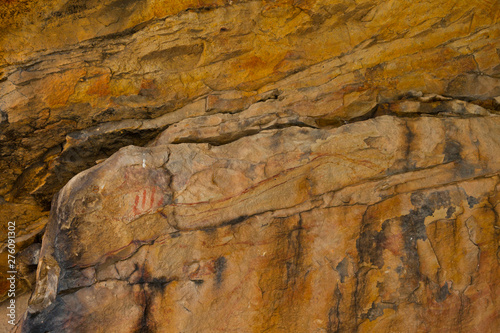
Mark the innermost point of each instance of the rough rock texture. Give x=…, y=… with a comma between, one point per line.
x=297, y=166
x=389, y=224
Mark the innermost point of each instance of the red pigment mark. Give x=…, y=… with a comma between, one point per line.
x=152, y=198
x=206, y=268
x=144, y=193
x=144, y=204
x=136, y=212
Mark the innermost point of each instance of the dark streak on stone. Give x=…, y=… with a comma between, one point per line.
x=52, y=319
x=450, y=211
x=370, y=244
x=452, y=150
x=377, y=310
x=465, y=169
x=219, y=266
x=209, y=230
x=342, y=269
x=143, y=325
x=155, y=285
x=334, y=313
x=237, y=220
x=159, y=284
x=472, y=201
x=295, y=254
x=409, y=140
x=4, y=117
x=413, y=229
x=442, y=293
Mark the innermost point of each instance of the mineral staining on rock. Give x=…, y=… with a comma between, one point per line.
x=88, y=95
x=285, y=166
x=296, y=230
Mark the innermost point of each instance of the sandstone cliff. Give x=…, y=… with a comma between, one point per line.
x=252, y=166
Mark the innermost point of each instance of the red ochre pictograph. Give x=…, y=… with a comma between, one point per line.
x=143, y=191
x=146, y=200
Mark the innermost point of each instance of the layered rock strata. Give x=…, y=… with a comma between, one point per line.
x=389, y=224
x=295, y=166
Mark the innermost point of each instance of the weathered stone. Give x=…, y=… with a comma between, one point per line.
x=330, y=61
x=293, y=166
x=294, y=229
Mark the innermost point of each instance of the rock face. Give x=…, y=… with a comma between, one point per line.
x=388, y=224
x=262, y=166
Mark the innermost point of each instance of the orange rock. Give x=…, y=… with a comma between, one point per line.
x=306, y=165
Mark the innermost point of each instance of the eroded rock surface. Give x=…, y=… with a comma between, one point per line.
x=80, y=80
x=294, y=166
x=389, y=224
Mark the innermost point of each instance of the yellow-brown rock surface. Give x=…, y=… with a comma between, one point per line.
x=373, y=226
x=297, y=166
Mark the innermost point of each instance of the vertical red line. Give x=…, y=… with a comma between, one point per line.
x=135, y=205
x=151, y=203
x=144, y=198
